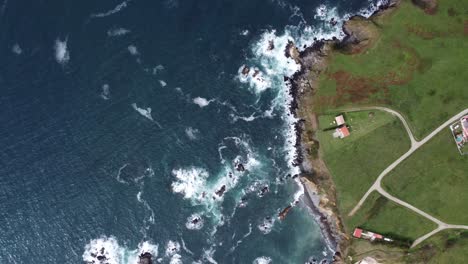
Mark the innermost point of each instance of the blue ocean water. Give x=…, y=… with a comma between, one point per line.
x=122, y=125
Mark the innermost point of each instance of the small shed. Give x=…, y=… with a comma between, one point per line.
x=339, y=120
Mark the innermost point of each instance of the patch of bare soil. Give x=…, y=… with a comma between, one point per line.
x=429, y=6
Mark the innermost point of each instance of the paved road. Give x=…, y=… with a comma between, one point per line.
x=414, y=146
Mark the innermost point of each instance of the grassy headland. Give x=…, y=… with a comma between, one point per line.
x=416, y=66
x=411, y=60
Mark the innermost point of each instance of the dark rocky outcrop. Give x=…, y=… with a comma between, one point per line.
x=221, y=191
x=145, y=258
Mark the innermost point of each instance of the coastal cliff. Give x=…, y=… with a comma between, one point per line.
x=360, y=34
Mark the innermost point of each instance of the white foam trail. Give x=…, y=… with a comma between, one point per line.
x=245, y=32
x=250, y=118
x=16, y=49
x=192, y=133
x=117, y=32
x=185, y=247
x=133, y=50
x=202, y=102
x=144, y=112
x=242, y=239
x=112, y=11
x=262, y=260
x=208, y=255
x=105, y=94
x=62, y=55
x=120, y=171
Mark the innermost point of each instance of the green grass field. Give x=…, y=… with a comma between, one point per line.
x=383, y=216
x=445, y=247
x=417, y=66
x=355, y=162
x=434, y=179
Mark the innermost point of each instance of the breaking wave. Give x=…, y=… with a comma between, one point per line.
x=269, y=63
x=262, y=260
x=108, y=250
x=62, y=55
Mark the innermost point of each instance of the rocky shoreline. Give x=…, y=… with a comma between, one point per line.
x=319, y=188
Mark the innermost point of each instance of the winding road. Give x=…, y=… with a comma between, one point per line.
x=414, y=146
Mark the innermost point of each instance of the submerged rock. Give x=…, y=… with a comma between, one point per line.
x=240, y=167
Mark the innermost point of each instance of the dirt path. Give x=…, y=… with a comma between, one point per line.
x=414, y=146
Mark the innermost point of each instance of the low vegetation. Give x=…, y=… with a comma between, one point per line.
x=385, y=217
x=446, y=247
x=376, y=140
x=416, y=66
x=434, y=179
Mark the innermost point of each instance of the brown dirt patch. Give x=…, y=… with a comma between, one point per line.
x=465, y=29
x=428, y=34
x=361, y=89
x=429, y=6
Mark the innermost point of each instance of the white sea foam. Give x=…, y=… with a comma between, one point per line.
x=250, y=118
x=262, y=260
x=176, y=259
x=266, y=225
x=192, y=133
x=105, y=94
x=107, y=250
x=162, y=83
x=133, y=50
x=245, y=32
x=112, y=11
x=172, y=248
x=254, y=77
x=194, y=222
x=62, y=55
x=190, y=182
x=17, y=49
x=202, y=102
x=117, y=32
x=144, y=112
